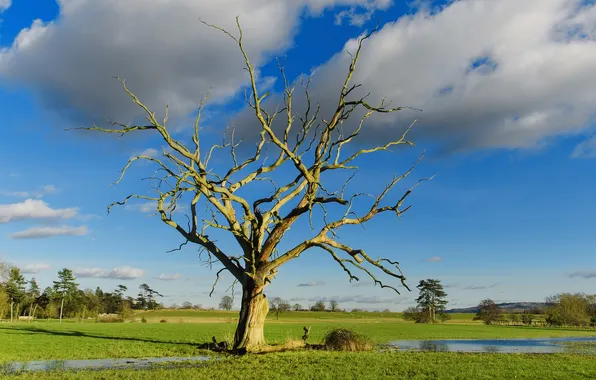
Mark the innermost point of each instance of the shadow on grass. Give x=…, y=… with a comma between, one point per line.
x=38, y=330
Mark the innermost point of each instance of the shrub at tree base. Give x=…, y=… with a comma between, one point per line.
x=346, y=340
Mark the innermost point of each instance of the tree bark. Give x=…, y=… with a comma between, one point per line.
x=61, y=308
x=11, y=311
x=255, y=306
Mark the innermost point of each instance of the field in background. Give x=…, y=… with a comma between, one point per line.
x=71, y=340
x=211, y=316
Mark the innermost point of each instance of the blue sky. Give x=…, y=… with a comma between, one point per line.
x=508, y=104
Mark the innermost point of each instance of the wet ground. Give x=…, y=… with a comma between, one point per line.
x=530, y=346
x=49, y=365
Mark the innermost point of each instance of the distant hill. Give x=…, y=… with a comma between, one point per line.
x=510, y=307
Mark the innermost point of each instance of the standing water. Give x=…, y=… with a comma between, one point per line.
x=529, y=346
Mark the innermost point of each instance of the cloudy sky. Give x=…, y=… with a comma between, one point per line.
x=508, y=98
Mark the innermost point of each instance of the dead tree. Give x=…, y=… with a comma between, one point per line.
x=309, y=145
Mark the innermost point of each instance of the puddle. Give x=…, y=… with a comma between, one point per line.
x=529, y=346
x=100, y=364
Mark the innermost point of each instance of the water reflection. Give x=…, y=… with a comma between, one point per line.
x=429, y=345
x=546, y=345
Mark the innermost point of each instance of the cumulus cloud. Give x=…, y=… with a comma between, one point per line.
x=46, y=232
x=33, y=268
x=4, y=5
x=33, y=209
x=434, y=259
x=585, y=149
x=164, y=52
x=168, y=277
x=312, y=283
x=583, y=274
x=121, y=273
x=487, y=74
x=358, y=16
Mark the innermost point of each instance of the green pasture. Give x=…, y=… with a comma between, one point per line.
x=183, y=331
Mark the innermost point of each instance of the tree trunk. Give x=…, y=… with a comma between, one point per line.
x=11, y=311
x=250, y=331
x=61, y=308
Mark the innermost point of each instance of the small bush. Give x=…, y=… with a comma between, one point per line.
x=163, y=321
x=143, y=320
x=346, y=340
x=126, y=312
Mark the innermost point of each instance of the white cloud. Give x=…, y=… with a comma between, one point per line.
x=47, y=189
x=312, y=283
x=150, y=207
x=121, y=273
x=164, y=52
x=168, y=277
x=46, y=232
x=149, y=152
x=4, y=5
x=33, y=209
x=359, y=15
x=494, y=74
x=434, y=259
x=33, y=268
x=585, y=149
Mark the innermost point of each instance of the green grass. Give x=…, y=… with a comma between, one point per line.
x=49, y=340
x=22, y=341
x=332, y=365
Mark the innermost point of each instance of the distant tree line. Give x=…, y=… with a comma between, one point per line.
x=564, y=309
x=279, y=305
x=23, y=298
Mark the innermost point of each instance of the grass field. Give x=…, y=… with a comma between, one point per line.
x=50, y=340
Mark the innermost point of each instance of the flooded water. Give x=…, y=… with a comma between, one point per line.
x=50, y=365
x=529, y=346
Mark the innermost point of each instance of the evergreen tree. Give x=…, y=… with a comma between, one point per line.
x=15, y=289
x=431, y=300
x=65, y=288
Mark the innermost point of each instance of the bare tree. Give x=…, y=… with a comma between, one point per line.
x=333, y=305
x=312, y=146
x=279, y=305
x=226, y=303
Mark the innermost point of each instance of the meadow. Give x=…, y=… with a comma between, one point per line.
x=183, y=331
